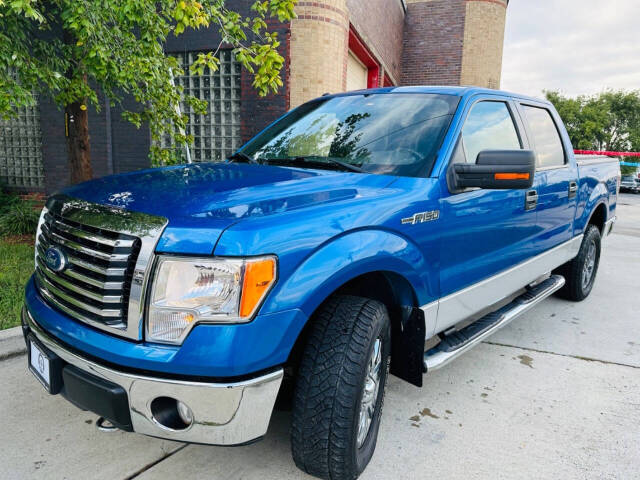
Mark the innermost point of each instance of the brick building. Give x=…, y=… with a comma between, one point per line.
x=332, y=46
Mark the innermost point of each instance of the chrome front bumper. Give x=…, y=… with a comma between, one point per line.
x=224, y=413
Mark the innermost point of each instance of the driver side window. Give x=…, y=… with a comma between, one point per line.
x=489, y=126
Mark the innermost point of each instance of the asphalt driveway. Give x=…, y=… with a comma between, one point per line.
x=556, y=394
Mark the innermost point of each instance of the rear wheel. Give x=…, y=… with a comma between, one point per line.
x=340, y=388
x=580, y=273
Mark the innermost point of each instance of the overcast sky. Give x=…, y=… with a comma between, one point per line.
x=575, y=46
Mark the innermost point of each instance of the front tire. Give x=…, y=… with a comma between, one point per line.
x=580, y=273
x=340, y=388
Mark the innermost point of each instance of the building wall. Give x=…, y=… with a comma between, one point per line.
x=453, y=42
x=129, y=146
x=433, y=42
x=319, y=41
x=54, y=145
x=257, y=112
x=483, y=42
x=380, y=24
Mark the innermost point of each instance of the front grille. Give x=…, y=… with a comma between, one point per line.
x=95, y=285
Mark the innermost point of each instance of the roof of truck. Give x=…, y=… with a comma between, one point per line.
x=464, y=91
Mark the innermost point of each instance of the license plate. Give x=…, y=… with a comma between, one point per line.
x=39, y=364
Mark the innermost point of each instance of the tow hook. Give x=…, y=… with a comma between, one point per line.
x=105, y=425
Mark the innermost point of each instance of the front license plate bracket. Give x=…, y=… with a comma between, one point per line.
x=46, y=362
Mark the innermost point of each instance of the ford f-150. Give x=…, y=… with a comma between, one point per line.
x=364, y=233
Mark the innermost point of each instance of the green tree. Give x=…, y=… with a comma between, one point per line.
x=607, y=121
x=73, y=49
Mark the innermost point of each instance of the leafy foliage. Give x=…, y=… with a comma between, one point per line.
x=606, y=121
x=7, y=201
x=17, y=217
x=73, y=48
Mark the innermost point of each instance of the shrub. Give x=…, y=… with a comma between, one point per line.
x=17, y=217
x=7, y=201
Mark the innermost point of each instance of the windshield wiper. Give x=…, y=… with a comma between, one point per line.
x=318, y=161
x=346, y=165
x=240, y=157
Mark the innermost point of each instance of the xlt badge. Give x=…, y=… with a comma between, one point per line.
x=422, y=217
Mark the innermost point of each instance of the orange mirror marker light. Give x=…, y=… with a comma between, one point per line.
x=511, y=176
x=259, y=275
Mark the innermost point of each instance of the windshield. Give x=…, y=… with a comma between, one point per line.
x=394, y=134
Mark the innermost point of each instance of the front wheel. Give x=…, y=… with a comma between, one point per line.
x=340, y=388
x=580, y=273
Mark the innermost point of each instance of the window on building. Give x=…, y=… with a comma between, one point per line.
x=549, y=151
x=21, y=150
x=488, y=126
x=216, y=135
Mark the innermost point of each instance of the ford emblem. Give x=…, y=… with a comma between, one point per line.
x=55, y=259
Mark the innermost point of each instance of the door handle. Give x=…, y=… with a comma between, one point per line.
x=530, y=200
x=573, y=189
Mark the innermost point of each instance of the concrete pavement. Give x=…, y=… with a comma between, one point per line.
x=11, y=343
x=556, y=394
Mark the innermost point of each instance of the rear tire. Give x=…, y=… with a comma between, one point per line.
x=336, y=391
x=580, y=273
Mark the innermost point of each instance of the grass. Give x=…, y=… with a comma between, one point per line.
x=16, y=266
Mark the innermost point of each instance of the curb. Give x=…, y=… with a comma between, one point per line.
x=11, y=343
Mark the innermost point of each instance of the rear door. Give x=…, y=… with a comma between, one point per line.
x=557, y=178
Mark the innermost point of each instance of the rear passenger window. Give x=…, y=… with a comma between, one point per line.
x=488, y=126
x=549, y=151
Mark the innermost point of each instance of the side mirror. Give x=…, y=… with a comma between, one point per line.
x=497, y=169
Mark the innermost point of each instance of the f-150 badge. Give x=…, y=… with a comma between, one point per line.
x=422, y=217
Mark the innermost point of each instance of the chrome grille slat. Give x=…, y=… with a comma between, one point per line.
x=110, y=285
x=60, y=280
x=70, y=311
x=115, y=272
x=109, y=272
x=108, y=242
x=108, y=257
x=52, y=289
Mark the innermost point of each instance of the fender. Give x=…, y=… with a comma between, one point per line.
x=346, y=257
x=599, y=195
x=327, y=268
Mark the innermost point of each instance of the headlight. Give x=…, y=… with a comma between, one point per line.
x=187, y=291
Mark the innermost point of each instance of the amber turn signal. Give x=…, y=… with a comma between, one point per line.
x=259, y=275
x=511, y=176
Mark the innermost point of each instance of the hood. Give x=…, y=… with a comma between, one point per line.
x=202, y=200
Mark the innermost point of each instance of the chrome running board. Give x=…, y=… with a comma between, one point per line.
x=458, y=342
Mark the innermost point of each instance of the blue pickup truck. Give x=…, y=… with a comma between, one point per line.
x=361, y=234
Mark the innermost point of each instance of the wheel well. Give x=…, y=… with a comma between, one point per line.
x=598, y=217
x=407, y=323
x=387, y=287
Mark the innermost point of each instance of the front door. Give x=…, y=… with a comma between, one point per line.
x=484, y=232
